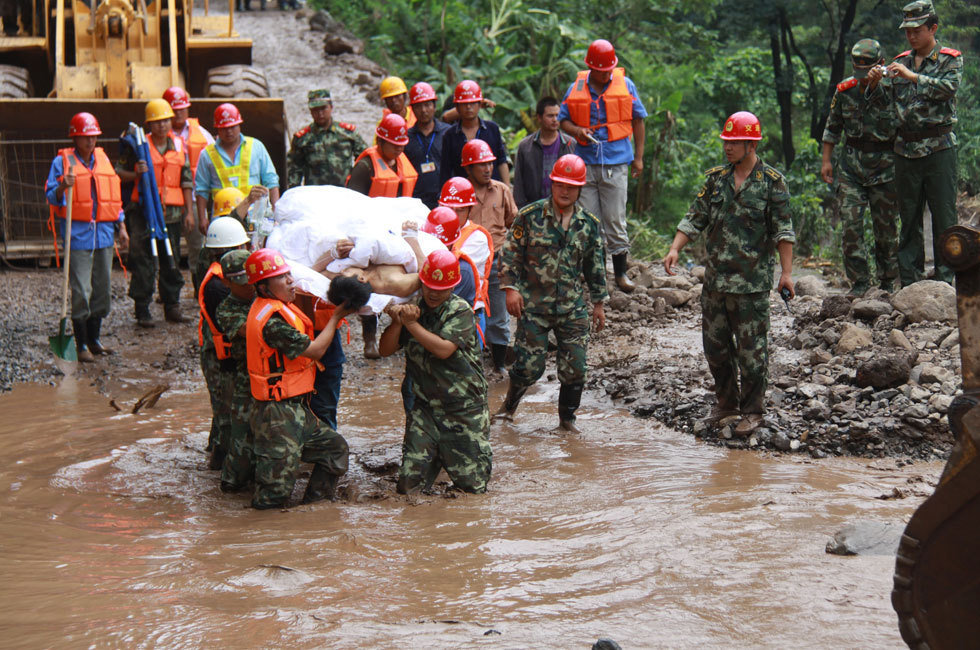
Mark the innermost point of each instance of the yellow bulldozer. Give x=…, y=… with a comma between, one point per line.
x=109, y=57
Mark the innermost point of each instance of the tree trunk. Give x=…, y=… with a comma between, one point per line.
x=837, y=64
x=784, y=90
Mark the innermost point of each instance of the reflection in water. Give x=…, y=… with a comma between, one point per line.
x=114, y=532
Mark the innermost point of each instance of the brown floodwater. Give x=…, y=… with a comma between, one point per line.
x=114, y=533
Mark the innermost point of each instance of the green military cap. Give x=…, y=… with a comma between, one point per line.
x=865, y=54
x=318, y=98
x=917, y=13
x=233, y=266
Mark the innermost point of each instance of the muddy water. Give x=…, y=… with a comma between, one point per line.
x=114, y=533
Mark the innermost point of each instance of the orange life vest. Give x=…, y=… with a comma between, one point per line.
x=400, y=182
x=196, y=142
x=483, y=284
x=222, y=346
x=107, y=189
x=166, y=168
x=272, y=376
x=619, y=105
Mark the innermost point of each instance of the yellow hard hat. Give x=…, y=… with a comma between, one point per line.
x=391, y=86
x=226, y=200
x=158, y=109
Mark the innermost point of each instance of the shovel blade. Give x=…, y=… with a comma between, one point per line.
x=63, y=345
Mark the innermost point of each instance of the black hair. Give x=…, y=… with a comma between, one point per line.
x=545, y=102
x=932, y=20
x=345, y=289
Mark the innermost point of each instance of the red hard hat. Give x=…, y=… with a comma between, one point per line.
x=444, y=224
x=440, y=271
x=83, y=124
x=457, y=192
x=421, y=92
x=226, y=115
x=601, y=56
x=177, y=97
x=742, y=125
x=476, y=151
x=467, y=91
x=569, y=169
x=393, y=129
x=265, y=263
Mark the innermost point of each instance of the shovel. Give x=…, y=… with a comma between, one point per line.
x=63, y=345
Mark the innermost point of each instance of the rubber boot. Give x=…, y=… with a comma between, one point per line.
x=322, y=485
x=619, y=270
x=173, y=315
x=569, y=398
x=94, y=330
x=498, y=352
x=514, y=395
x=143, y=318
x=81, y=341
x=369, y=330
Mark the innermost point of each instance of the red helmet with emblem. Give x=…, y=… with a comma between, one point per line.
x=742, y=125
x=421, y=92
x=476, y=151
x=467, y=91
x=440, y=271
x=457, y=192
x=601, y=56
x=177, y=97
x=83, y=124
x=569, y=169
x=444, y=224
x=265, y=263
x=393, y=129
x=226, y=115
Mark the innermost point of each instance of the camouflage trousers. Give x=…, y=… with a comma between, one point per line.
x=143, y=266
x=285, y=433
x=458, y=441
x=735, y=329
x=881, y=201
x=219, y=390
x=239, y=461
x=531, y=347
x=930, y=179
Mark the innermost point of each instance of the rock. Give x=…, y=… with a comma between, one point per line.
x=696, y=292
x=940, y=403
x=818, y=356
x=606, y=644
x=698, y=273
x=885, y=371
x=619, y=301
x=834, y=307
x=933, y=374
x=811, y=285
x=928, y=300
x=645, y=279
x=918, y=411
x=870, y=309
x=852, y=338
x=342, y=44
x=897, y=339
x=659, y=306
x=816, y=410
x=780, y=441
x=811, y=390
x=321, y=21
x=671, y=282
x=950, y=341
x=866, y=538
x=673, y=297
x=918, y=394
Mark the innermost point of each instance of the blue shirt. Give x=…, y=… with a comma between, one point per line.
x=422, y=149
x=452, y=149
x=619, y=152
x=85, y=235
x=261, y=171
x=466, y=289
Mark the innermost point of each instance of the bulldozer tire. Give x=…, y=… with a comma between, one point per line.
x=236, y=81
x=15, y=82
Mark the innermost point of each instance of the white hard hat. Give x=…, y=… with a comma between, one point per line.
x=225, y=232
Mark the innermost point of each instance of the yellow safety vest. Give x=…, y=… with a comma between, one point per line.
x=234, y=176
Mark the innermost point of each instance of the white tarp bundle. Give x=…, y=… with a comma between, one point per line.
x=311, y=219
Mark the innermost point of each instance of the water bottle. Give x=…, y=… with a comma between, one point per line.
x=266, y=220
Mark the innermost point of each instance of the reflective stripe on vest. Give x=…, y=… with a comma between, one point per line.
x=107, y=189
x=236, y=175
x=483, y=290
x=166, y=168
x=196, y=142
x=272, y=376
x=618, y=101
x=222, y=346
x=386, y=182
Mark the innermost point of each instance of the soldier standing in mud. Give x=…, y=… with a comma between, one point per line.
x=551, y=247
x=743, y=209
x=862, y=111
x=322, y=152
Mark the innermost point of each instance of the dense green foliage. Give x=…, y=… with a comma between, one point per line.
x=694, y=62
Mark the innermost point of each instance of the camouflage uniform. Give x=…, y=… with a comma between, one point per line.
x=553, y=268
x=925, y=170
x=322, y=156
x=866, y=177
x=449, y=422
x=286, y=431
x=219, y=384
x=237, y=468
x=741, y=230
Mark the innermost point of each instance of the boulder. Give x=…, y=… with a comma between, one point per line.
x=674, y=282
x=897, y=339
x=342, y=44
x=853, y=337
x=698, y=273
x=673, y=297
x=933, y=374
x=645, y=279
x=834, y=307
x=810, y=285
x=885, y=371
x=870, y=309
x=619, y=301
x=866, y=538
x=950, y=341
x=928, y=300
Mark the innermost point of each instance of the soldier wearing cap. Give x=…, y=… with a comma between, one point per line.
x=862, y=112
x=926, y=79
x=322, y=152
